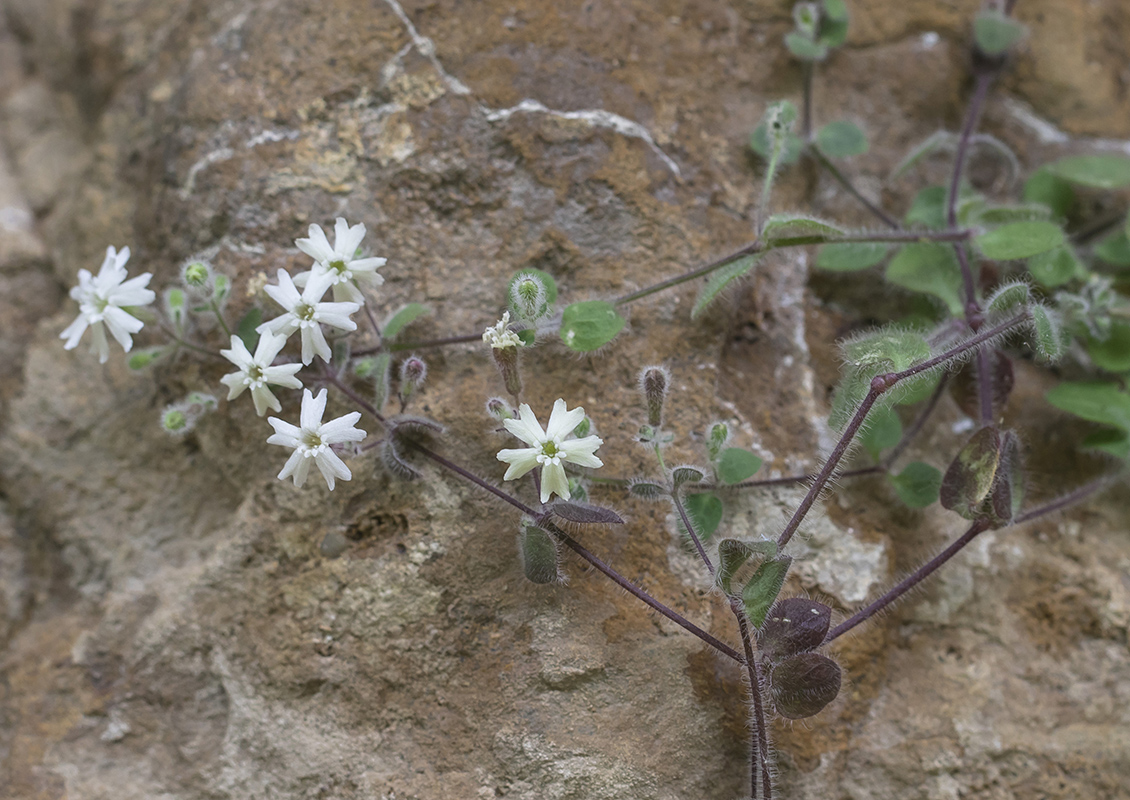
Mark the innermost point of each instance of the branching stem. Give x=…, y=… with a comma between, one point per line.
x=691, y=532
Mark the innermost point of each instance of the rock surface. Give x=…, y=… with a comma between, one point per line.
x=175, y=623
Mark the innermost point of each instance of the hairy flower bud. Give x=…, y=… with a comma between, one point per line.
x=506, y=358
x=413, y=371
x=528, y=297
x=196, y=274
x=499, y=408
x=175, y=421
x=653, y=383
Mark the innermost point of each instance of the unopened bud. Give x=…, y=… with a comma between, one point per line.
x=499, y=408
x=653, y=383
x=196, y=274
x=717, y=437
x=413, y=370
x=528, y=297
x=806, y=16
x=200, y=403
x=507, y=360
x=175, y=421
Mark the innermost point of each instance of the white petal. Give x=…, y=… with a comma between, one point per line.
x=580, y=451
x=121, y=325
x=73, y=332
x=332, y=467
x=99, y=345
x=521, y=461
x=316, y=286
x=235, y=383
x=562, y=422
x=238, y=354
x=554, y=481
x=317, y=246
x=283, y=375
x=342, y=430
x=313, y=407
x=347, y=239
x=268, y=347
x=285, y=434
x=264, y=399
x=526, y=427
x=318, y=343
x=346, y=292
x=284, y=294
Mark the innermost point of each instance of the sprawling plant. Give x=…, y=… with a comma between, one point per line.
x=1052, y=292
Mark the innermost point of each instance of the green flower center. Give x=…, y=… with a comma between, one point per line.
x=549, y=449
x=311, y=440
x=338, y=266
x=304, y=311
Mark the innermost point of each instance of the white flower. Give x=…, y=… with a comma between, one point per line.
x=549, y=448
x=306, y=312
x=312, y=440
x=103, y=299
x=256, y=372
x=499, y=336
x=340, y=261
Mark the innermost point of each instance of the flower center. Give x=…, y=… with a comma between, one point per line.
x=305, y=312
x=311, y=440
x=254, y=374
x=549, y=448
x=338, y=266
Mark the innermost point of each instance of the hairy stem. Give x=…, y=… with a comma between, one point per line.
x=760, y=778
x=972, y=116
x=842, y=179
x=422, y=344
x=220, y=317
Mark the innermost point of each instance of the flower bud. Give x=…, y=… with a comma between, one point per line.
x=506, y=358
x=653, y=383
x=717, y=437
x=499, y=408
x=528, y=297
x=176, y=421
x=413, y=371
x=196, y=274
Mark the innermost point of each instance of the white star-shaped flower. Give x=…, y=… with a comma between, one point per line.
x=256, y=372
x=549, y=448
x=340, y=261
x=306, y=312
x=312, y=441
x=500, y=336
x=102, y=301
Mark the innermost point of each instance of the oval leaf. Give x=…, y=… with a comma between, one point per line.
x=995, y=33
x=1106, y=171
x=590, y=325
x=883, y=431
x=718, y=282
x=681, y=475
x=538, y=551
x=796, y=229
x=794, y=625
x=1053, y=191
x=1097, y=402
x=1055, y=267
x=648, y=490
x=705, y=512
x=761, y=590
x=402, y=318
x=733, y=553
x=1113, y=352
x=851, y=256
x=736, y=464
x=930, y=268
x=1019, y=240
x=1115, y=250
x=841, y=140
x=917, y=485
x=804, y=684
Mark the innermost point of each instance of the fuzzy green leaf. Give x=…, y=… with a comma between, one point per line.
x=402, y=318
x=1113, y=352
x=146, y=356
x=736, y=465
x=761, y=142
x=1001, y=215
x=841, y=139
x=1115, y=249
x=805, y=48
x=718, y=282
x=883, y=430
x=917, y=485
x=930, y=268
x=733, y=553
x=245, y=330
x=539, y=555
x=705, y=512
x=1019, y=240
x=648, y=490
x=1008, y=298
x=1055, y=267
x=681, y=475
x=781, y=229
x=1105, y=171
x=762, y=589
x=996, y=33
x=851, y=256
x=833, y=23
x=590, y=325
x=1105, y=403
x=1043, y=186
x=1047, y=339
x=1109, y=441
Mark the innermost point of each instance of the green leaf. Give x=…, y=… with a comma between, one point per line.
x=930, y=268
x=805, y=48
x=648, y=490
x=1001, y=215
x=1055, y=267
x=1019, y=240
x=1113, y=352
x=1110, y=441
x=841, y=140
x=851, y=256
x=1095, y=171
x=1115, y=250
x=917, y=485
x=883, y=430
x=716, y=439
x=1105, y=403
x=915, y=390
x=875, y=353
x=402, y=318
x=736, y=465
x=1047, y=338
x=833, y=23
x=590, y=325
x=381, y=367
x=781, y=229
x=527, y=336
x=1053, y=191
x=718, y=282
x=995, y=33
x=733, y=553
x=245, y=330
x=1008, y=298
x=146, y=356
x=762, y=589
x=928, y=208
x=705, y=513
